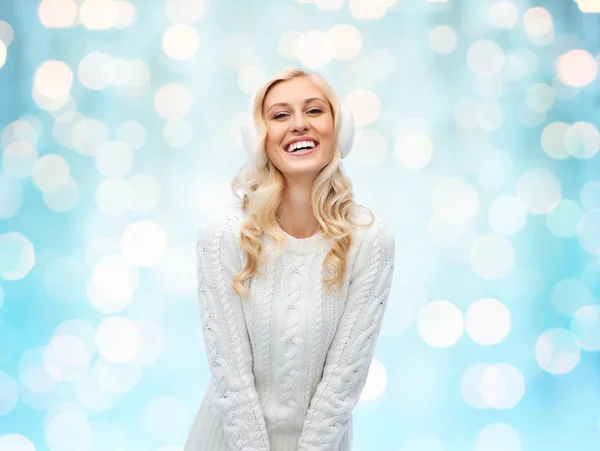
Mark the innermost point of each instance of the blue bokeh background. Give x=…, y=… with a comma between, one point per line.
x=477, y=138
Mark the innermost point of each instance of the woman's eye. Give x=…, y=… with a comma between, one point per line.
x=315, y=109
x=310, y=111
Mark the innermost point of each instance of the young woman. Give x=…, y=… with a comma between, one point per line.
x=289, y=351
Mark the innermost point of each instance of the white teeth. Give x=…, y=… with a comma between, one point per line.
x=295, y=145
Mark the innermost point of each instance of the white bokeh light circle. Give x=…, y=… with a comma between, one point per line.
x=16, y=442
x=53, y=79
x=143, y=243
x=455, y=201
x=443, y=39
x=568, y=295
x=114, y=277
x=502, y=386
x=563, y=221
x=118, y=339
x=376, y=382
x=172, y=101
x=314, y=49
x=414, y=149
x=485, y=58
x=181, y=42
x=507, y=215
x=582, y=140
x=51, y=173
x=588, y=232
x=487, y=321
x=540, y=190
x=18, y=256
x=497, y=437
x=440, y=324
x=585, y=326
x=577, y=68
x=557, y=351
x=365, y=106
x=492, y=256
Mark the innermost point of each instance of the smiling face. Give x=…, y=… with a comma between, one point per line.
x=297, y=110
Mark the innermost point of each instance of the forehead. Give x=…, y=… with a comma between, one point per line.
x=292, y=91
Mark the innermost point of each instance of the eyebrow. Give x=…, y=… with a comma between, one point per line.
x=310, y=99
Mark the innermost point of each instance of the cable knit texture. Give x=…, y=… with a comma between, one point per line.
x=288, y=367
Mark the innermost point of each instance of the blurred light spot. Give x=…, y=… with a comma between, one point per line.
x=113, y=196
x=57, y=13
x=487, y=321
x=117, y=378
x=8, y=395
x=166, y=417
x=15, y=442
x=96, y=71
x=376, y=382
x=556, y=351
x=53, y=79
x=126, y=14
x=173, y=274
x=564, y=219
x=25, y=129
x=98, y=14
x=132, y=133
x=178, y=133
x=48, y=104
x=465, y=113
x=503, y=14
x=540, y=190
x=115, y=278
x=51, y=173
x=588, y=6
x=553, y=140
x=381, y=63
x=367, y=10
x=2, y=54
x=520, y=64
x=444, y=235
x=33, y=374
x=440, y=324
x=286, y=45
x=88, y=135
x=138, y=77
x=455, y=201
x=365, y=106
x=538, y=22
x=582, y=140
x=314, y=49
x=530, y=118
x=18, y=256
x=563, y=91
x=585, y=327
x=568, y=295
x=66, y=358
x=492, y=256
x=185, y=11
x=64, y=198
x=145, y=192
x=250, y=77
x=422, y=441
x=172, y=101
x=540, y=97
x=325, y=5
x=181, y=42
x=62, y=129
x=442, y=39
x=79, y=328
x=144, y=243
x=91, y=395
x=118, y=339
x=485, y=58
x=497, y=436
x=490, y=116
x=576, y=68
x=68, y=432
x=152, y=342
x=347, y=42
x=19, y=158
x=114, y=159
x=369, y=148
x=469, y=385
x=6, y=33
x=414, y=149
x=589, y=195
x=502, y=386
x=588, y=232
x=507, y=215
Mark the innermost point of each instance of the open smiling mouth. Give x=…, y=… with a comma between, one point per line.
x=303, y=150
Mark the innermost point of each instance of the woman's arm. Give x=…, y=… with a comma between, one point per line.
x=226, y=337
x=351, y=351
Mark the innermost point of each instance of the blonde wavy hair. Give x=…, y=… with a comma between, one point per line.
x=262, y=189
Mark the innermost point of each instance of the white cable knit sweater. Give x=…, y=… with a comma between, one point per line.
x=288, y=366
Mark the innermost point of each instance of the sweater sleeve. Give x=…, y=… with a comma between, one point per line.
x=351, y=351
x=226, y=338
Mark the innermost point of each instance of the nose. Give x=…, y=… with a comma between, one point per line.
x=299, y=123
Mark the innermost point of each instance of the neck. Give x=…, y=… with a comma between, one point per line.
x=296, y=216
